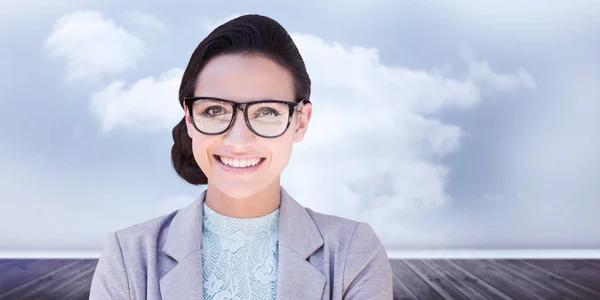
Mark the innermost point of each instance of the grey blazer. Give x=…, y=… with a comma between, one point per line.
x=320, y=257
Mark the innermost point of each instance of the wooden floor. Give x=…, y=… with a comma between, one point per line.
x=414, y=279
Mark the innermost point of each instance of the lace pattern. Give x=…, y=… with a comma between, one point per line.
x=239, y=256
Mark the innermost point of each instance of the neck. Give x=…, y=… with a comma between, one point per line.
x=259, y=204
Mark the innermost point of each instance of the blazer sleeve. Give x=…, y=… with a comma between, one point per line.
x=368, y=273
x=110, y=277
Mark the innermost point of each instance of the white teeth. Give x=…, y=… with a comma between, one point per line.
x=239, y=163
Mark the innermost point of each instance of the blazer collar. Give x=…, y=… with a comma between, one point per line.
x=185, y=231
x=299, y=238
x=182, y=243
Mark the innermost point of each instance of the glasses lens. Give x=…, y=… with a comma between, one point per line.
x=212, y=116
x=268, y=119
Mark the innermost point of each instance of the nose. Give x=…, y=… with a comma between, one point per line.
x=239, y=137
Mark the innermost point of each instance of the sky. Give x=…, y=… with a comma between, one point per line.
x=444, y=125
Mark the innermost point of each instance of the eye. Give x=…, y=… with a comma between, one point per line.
x=214, y=111
x=266, y=112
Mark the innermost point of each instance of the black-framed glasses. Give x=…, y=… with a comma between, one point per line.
x=265, y=118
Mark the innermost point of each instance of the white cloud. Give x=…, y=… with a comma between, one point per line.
x=374, y=128
x=482, y=73
x=146, y=19
x=93, y=46
x=149, y=103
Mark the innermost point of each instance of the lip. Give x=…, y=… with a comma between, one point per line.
x=229, y=169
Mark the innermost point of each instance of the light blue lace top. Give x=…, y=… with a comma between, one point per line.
x=239, y=256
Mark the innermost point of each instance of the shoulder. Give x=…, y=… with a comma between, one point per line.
x=147, y=229
x=335, y=229
x=366, y=267
x=125, y=255
x=141, y=237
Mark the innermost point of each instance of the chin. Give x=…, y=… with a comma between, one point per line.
x=238, y=190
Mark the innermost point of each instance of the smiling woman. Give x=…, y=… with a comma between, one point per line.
x=245, y=97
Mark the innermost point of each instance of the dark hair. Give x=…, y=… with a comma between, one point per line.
x=248, y=35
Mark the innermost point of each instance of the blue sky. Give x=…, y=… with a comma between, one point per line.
x=454, y=124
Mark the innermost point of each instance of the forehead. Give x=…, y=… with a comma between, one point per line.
x=245, y=78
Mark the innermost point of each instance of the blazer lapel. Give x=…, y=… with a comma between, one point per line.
x=299, y=238
x=184, y=281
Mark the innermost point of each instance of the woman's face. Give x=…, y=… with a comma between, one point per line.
x=226, y=158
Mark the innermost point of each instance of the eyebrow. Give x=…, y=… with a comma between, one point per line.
x=252, y=100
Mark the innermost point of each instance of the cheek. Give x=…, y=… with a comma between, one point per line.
x=281, y=150
x=200, y=146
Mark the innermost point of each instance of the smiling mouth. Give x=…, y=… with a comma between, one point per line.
x=244, y=163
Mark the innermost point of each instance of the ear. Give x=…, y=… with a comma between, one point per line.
x=303, y=120
x=188, y=122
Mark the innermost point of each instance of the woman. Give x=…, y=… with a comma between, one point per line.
x=245, y=95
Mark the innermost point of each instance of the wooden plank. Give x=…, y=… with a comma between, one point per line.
x=502, y=280
x=60, y=283
x=76, y=287
x=543, y=288
x=23, y=271
x=5, y=264
x=401, y=291
x=480, y=285
x=82, y=293
x=593, y=263
x=17, y=291
x=462, y=287
x=441, y=286
x=413, y=282
x=559, y=284
x=413, y=279
x=583, y=272
x=551, y=290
